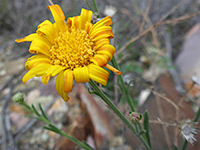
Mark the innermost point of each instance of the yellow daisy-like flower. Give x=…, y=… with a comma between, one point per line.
x=73, y=50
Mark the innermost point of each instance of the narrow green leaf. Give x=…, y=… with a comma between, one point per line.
x=92, y=92
x=53, y=127
x=197, y=115
x=184, y=145
x=30, y=116
x=42, y=111
x=89, y=6
x=95, y=7
x=146, y=127
x=35, y=111
x=142, y=132
x=50, y=129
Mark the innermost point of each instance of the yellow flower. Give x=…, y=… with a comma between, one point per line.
x=73, y=50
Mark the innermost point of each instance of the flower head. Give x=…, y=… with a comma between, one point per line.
x=18, y=97
x=74, y=49
x=188, y=130
x=135, y=117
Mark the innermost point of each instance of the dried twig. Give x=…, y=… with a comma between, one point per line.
x=161, y=115
x=177, y=115
x=179, y=19
x=159, y=121
x=147, y=19
x=166, y=99
x=158, y=23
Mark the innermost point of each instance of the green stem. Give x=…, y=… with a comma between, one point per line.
x=76, y=141
x=88, y=4
x=95, y=8
x=120, y=115
x=26, y=105
x=53, y=128
x=127, y=94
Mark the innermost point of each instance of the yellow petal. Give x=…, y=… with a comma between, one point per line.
x=58, y=16
x=46, y=22
x=48, y=31
x=33, y=37
x=37, y=71
x=101, y=42
x=104, y=35
x=45, y=79
x=81, y=75
x=107, y=50
x=100, y=60
x=28, y=38
x=60, y=86
x=35, y=60
x=105, y=53
x=88, y=27
x=73, y=22
x=98, y=74
x=103, y=22
x=56, y=27
x=39, y=46
x=86, y=16
x=54, y=70
x=102, y=30
x=68, y=82
x=113, y=69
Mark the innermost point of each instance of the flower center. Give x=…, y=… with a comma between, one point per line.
x=72, y=49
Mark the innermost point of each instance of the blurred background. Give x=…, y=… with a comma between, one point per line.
x=158, y=51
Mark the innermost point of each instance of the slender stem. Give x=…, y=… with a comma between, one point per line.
x=76, y=141
x=95, y=7
x=88, y=4
x=112, y=106
x=120, y=115
x=184, y=145
x=51, y=127
x=197, y=115
x=129, y=99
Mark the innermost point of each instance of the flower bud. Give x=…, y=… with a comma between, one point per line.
x=18, y=97
x=135, y=117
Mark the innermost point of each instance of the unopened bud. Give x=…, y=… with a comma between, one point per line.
x=18, y=97
x=135, y=117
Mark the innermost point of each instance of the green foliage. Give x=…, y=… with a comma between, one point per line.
x=43, y=117
x=146, y=127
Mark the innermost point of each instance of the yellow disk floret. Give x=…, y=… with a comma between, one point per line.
x=72, y=49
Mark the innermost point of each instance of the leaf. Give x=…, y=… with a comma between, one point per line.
x=92, y=92
x=50, y=129
x=146, y=127
x=42, y=111
x=30, y=116
x=35, y=111
x=197, y=115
